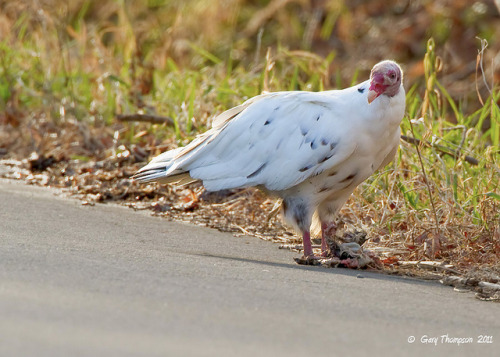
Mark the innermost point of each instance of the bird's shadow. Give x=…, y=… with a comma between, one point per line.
x=355, y=273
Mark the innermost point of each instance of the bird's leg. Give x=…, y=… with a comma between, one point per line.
x=308, y=258
x=306, y=241
x=327, y=229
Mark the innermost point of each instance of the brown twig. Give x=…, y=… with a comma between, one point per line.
x=426, y=181
x=471, y=160
x=479, y=65
x=153, y=119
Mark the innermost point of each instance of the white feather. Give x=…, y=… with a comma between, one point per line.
x=303, y=146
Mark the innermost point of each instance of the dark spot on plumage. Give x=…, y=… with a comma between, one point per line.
x=277, y=108
x=317, y=118
x=250, y=147
x=333, y=173
x=303, y=130
x=372, y=167
x=256, y=172
x=332, y=146
x=269, y=121
x=305, y=168
x=322, y=104
x=350, y=177
x=324, y=141
x=313, y=145
x=317, y=173
x=324, y=188
x=325, y=158
x=361, y=90
x=279, y=144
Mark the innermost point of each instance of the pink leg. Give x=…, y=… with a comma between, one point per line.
x=306, y=240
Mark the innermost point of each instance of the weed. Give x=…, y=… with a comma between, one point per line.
x=60, y=68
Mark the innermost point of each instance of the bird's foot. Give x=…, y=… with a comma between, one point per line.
x=308, y=260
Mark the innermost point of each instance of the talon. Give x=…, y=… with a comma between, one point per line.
x=308, y=260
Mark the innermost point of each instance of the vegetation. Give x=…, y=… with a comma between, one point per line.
x=66, y=70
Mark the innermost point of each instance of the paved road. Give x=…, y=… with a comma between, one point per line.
x=107, y=281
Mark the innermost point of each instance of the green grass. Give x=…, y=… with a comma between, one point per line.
x=58, y=71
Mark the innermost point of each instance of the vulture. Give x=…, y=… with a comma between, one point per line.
x=311, y=149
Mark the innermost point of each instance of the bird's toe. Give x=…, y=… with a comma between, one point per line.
x=308, y=260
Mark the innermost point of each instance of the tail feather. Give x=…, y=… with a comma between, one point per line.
x=149, y=175
x=157, y=169
x=159, y=174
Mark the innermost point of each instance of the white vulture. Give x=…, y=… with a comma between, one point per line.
x=311, y=149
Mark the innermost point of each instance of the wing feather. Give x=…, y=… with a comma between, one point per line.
x=277, y=142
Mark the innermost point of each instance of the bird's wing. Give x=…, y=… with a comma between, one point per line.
x=229, y=114
x=277, y=141
x=160, y=167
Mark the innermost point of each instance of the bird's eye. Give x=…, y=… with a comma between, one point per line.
x=393, y=76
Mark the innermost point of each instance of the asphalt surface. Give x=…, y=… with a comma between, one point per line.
x=107, y=281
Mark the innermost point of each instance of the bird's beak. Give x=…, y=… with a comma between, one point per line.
x=372, y=95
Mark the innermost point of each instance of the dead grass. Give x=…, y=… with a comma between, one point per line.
x=66, y=70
